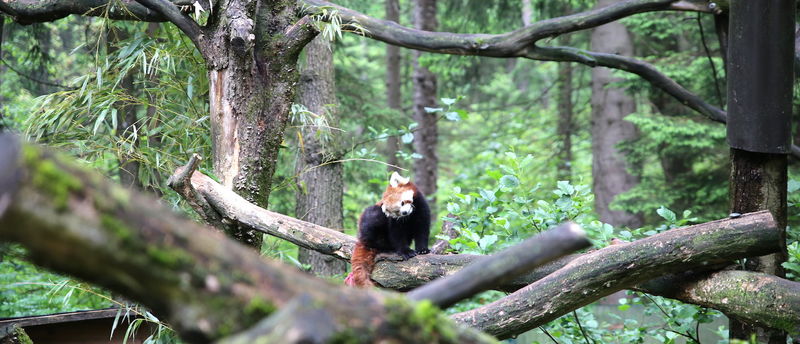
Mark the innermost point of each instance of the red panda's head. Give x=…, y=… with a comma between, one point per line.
x=398, y=199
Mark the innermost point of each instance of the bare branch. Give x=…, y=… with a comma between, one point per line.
x=643, y=69
x=181, y=20
x=37, y=11
x=236, y=211
x=510, y=44
x=494, y=270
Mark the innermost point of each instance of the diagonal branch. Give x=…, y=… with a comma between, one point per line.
x=643, y=69
x=171, y=11
x=494, y=270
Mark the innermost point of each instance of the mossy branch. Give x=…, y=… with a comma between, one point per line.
x=206, y=286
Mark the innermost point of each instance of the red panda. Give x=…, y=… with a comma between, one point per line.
x=402, y=215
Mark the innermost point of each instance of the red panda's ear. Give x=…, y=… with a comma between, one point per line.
x=397, y=180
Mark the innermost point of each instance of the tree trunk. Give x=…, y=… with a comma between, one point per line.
x=319, y=176
x=2, y=68
x=126, y=117
x=610, y=105
x=393, y=89
x=426, y=135
x=760, y=87
x=252, y=57
x=565, y=119
x=758, y=181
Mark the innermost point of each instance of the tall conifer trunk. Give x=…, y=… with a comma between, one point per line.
x=610, y=105
x=319, y=176
x=426, y=134
x=393, y=94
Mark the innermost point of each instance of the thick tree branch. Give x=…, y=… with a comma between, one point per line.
x=236, y=210
x=37, y=11
x=494, y=270
x=596, y=274
x=206, y=286
x=752, y=296
x=510, y=44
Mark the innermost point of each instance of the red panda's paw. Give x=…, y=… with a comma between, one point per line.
x=423, y=251
x=407, y=253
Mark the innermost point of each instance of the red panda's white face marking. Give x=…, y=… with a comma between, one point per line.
x=398, y=199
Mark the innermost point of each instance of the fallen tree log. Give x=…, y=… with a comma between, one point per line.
x=406, y=275
x=203, y=284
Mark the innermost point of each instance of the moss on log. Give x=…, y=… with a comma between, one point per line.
x=206, y=286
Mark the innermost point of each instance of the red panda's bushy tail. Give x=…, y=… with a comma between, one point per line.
x=363, y=260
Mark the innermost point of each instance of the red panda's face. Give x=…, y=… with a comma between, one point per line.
x=398, y=199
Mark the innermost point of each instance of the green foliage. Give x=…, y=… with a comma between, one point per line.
x=166, y=98
x=490, y=219
x=681, y=163
x=639, y=318
x=29, y=290
x=792, y=265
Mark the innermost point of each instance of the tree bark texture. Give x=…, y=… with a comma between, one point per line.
x=490, y=271
x=426, y=135
x=758, y=181
x=770, y=301
x=394, y=97
x=610, y=105
x=74, y=221
x=756, y=229
x=251, y=50
x=319, y=175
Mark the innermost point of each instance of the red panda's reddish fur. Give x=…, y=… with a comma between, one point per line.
x=363, y=258
x=363, y=261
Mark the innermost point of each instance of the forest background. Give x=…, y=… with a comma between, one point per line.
x=514, y=138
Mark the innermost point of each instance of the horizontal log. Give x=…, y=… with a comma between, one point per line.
x=752, y=296
x=593, y=275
